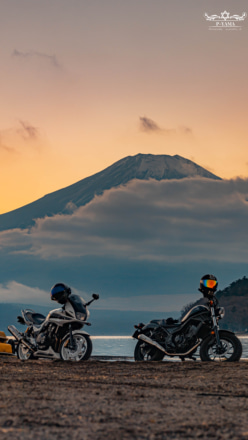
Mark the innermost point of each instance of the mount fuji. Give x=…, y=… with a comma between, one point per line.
x=140, y=233
x=141, y=166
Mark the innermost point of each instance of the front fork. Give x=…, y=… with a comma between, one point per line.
x=216, y=328
x=71, y=338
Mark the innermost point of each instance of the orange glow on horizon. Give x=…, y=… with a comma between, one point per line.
x=74, y=91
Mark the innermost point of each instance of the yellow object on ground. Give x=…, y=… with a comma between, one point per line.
x=4, y=347
x=3, y=337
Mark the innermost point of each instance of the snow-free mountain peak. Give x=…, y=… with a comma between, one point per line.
x=141, y=166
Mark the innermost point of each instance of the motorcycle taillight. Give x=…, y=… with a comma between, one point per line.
x=139, y=326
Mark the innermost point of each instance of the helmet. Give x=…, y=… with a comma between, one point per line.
x=208, y=285
x=60, y=293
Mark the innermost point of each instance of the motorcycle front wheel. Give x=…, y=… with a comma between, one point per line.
x=147, y=352
x=231, y=350
x=23, y=352
x=80, y=350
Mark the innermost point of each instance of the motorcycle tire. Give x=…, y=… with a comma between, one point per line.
x=147, y=352
x=23, y=353
x=80, y=352
x=232, y=348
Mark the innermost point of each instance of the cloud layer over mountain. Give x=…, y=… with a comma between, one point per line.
x=166, y=221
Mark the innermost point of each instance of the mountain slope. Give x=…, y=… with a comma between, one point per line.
x=234, y=299
x=141, y=166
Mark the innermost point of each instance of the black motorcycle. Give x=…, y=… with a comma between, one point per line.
x=198, y=328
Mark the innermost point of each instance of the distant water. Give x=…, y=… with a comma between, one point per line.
x=113, y=345
x=124, y=346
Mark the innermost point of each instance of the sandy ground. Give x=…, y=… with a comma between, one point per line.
x=123, y=400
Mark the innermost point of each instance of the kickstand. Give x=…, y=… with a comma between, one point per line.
x=192, y=358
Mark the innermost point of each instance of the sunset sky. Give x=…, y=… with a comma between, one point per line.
x=85, y=83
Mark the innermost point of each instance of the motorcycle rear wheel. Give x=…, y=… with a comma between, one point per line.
x=81, y=350
x=232, y=348
x=147, y=352
x=23, y=352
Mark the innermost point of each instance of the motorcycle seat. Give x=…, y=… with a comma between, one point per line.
x=165, y=323
x=158, y=321
x=35, y=318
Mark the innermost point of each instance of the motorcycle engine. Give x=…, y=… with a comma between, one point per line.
x=187, y=339
x=46, y=337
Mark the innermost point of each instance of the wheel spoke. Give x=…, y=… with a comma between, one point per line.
x=77, y=352
x=23, y=352
x=227, y=351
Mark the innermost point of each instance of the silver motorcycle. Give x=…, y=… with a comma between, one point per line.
x=57, y=336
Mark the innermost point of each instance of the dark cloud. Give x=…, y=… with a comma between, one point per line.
x=28, y=131
x=186, y=130
x=166, y=221
x=147, y=124
x=52, y=59
x=11, y=136
x=7, y=149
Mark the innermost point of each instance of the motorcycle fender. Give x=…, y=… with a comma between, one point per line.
x=227, y=331
x=136, y=334
x=210, y=333
x=82, y=332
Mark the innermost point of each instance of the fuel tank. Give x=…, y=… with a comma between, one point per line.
x=196, y=311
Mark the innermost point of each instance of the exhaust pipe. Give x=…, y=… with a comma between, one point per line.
x=151, y=342
x=19, y=337
x=13, y=330
x=159, y=347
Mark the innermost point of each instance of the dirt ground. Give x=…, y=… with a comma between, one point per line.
x=123, y=400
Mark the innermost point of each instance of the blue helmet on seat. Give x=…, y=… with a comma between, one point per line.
x=60, y=293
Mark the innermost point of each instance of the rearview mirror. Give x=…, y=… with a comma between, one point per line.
x=95, y=296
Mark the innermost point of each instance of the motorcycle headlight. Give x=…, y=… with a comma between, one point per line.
x=221, y=312
x=80, y=316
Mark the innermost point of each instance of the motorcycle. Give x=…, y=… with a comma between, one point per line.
x=199, y=327
x=57, y=336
